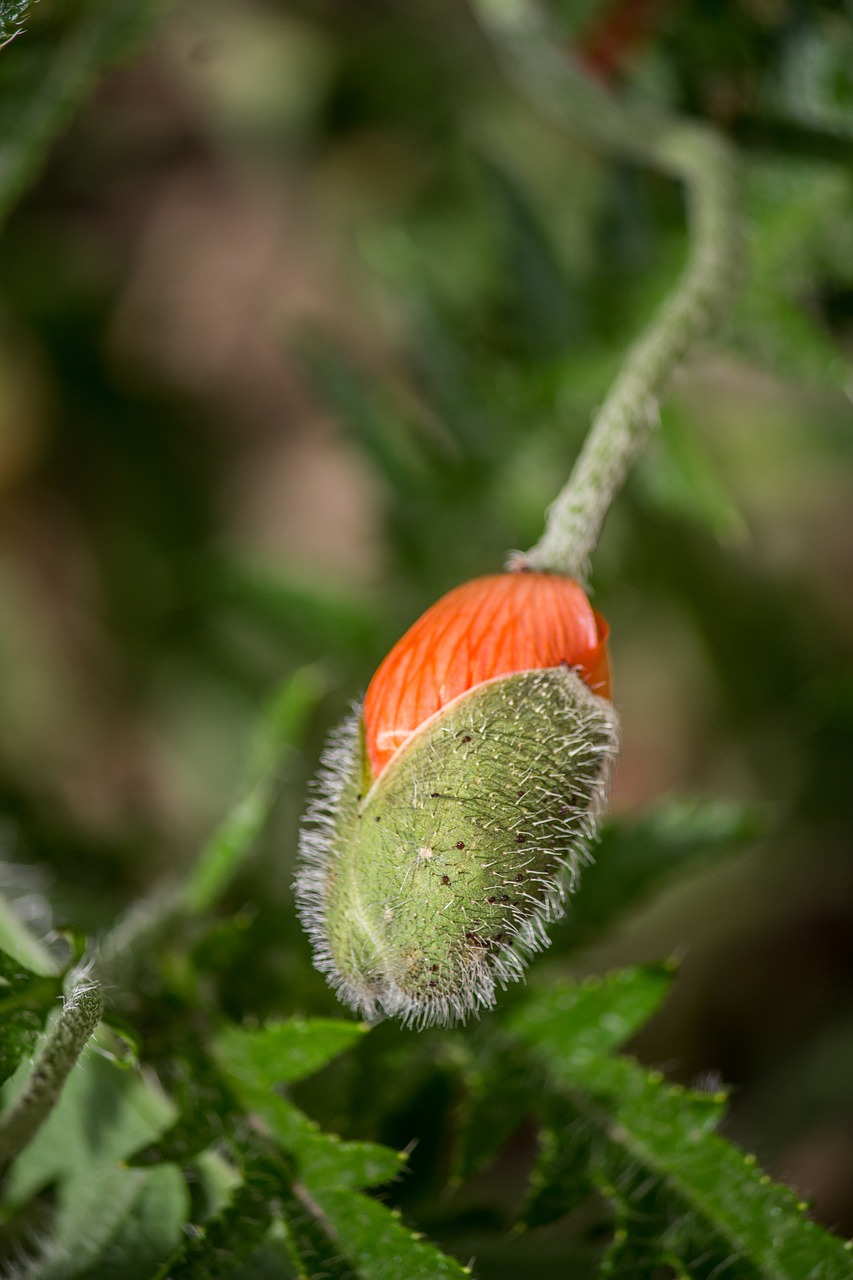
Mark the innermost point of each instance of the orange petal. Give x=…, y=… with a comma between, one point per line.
x=489, y=627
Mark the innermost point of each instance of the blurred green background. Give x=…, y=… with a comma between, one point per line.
x=302, y=323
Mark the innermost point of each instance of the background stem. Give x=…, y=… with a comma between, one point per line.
x=64, y=1041
x=707, y=165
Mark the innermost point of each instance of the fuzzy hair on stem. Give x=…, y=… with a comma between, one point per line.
x=707, y=165
x=63, y=1043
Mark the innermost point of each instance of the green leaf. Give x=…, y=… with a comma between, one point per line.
x=310, y=1248
x=706, y=1202
x=324, y=1159
x=503, y=1087
x=281, y=727
x=500, y=1088
x=799, y=211
x=680, y=476
x=345, y=1233
x=109, y=1220
x=633, y=856
x=378, y=428
x=257, y=1063
x=597, y=1015
x=200, y=1125
x=283, y=1052
x=232, y=1235
x=17, y=939
x=26, y=999
x=378, y=1244
x=315, y=615
x=336, y=1233
x=547, y=300
x=114, y=1223
x=47, y=72
x=561, y=1178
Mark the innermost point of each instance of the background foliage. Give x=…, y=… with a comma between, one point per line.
x=303, y=314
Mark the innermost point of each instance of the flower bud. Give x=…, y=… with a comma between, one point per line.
x=452, y=815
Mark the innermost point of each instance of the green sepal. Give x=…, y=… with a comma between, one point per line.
x=429, y=889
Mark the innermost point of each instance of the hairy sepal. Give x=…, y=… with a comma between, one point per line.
x=426, y=892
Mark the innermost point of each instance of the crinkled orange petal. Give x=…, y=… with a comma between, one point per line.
x=491, y=626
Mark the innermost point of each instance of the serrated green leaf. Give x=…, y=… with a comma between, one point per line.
x=714, y=1205
x=203, y=1124
x=593, y=1017
x=378, y=1244
x=500, y=1088
x=271, y=1261
x=283, y=1052
x=330, y=1232
x=26, y=998
x=348, y=1233
x=636, y=1255
x=217, y=1246
x=501, y=1085
x=256, y=1063
x=323, y=1158
x=561, y=1178
x=311, y=1247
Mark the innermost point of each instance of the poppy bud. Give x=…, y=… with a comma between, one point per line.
x=452, y=815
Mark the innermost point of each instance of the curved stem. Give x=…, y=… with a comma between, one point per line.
x=707, y=165
x=60, y=1049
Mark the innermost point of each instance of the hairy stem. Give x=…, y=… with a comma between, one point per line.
x=707, y=165
x=60, y=1049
